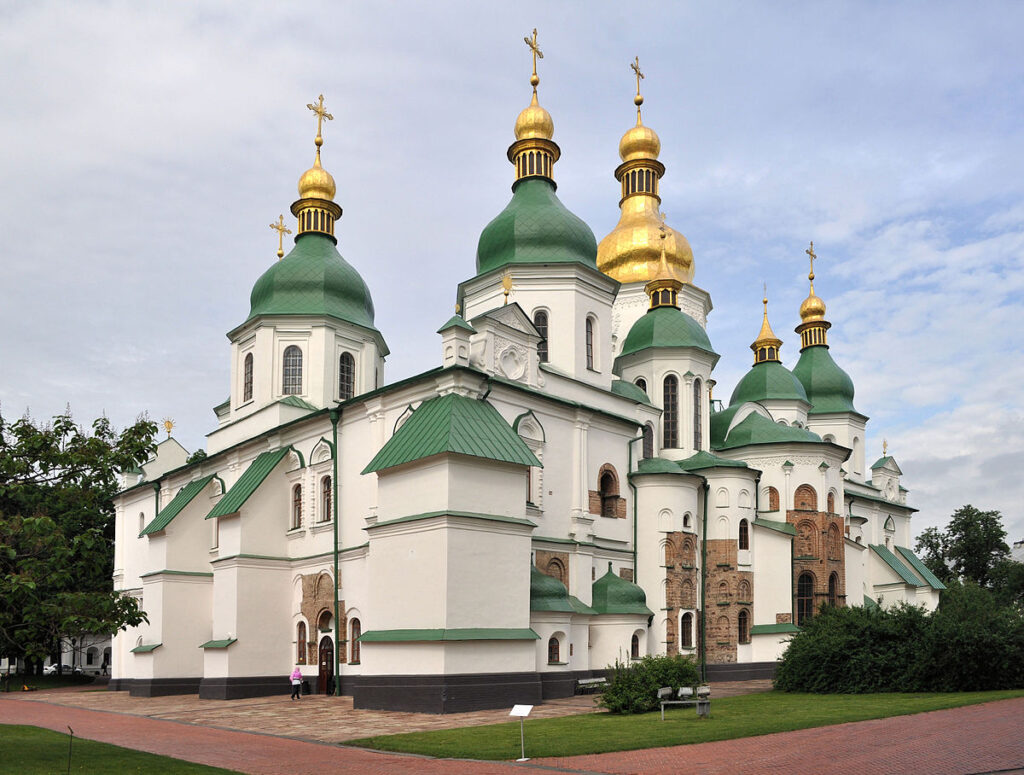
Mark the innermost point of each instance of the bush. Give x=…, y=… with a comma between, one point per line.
x=633, y=688
x=969, y=643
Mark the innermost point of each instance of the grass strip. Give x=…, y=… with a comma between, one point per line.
x=731, y=717
x=35, y=751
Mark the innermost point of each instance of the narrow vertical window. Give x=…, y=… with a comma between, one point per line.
x=609, y=495
x=697, y=414
x=648, y=442
x=325, y=499
x=670, y=416
x=540, y=322
x=744, y=627
x=346, y=376
x=356, y=630
x=833, y=590
x=247, y=378
x=804, y=599
x=553, y=651
x=634, y=646
x=590, y=343
x=642, y=384
x=687, y=628
x=744, y=534
x=292, y=381
x=297, y=506
x=300, y=643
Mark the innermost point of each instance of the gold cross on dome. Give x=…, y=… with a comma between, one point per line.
x=537, y=53
x=663, y=228
x=281, y=230
x=810, y=252
x=635, y=67
x=885, y=447
x=321, y=114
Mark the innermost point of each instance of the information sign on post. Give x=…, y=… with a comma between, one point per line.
x=522, y=711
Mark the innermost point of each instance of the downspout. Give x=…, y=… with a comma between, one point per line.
x=629, y=481
x=156, y=499
x=335, y=416
x=703, y=595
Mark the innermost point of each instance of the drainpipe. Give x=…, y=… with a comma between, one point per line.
x=335, y=416
x=703, y=595
x=757, y=495
x=629, y=470
x=156, y=499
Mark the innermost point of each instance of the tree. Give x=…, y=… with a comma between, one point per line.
x=971, y=546
x=57, y=482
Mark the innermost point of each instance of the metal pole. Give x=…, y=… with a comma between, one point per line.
x=522, y=739
x=335, y=416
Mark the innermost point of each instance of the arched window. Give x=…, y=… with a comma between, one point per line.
x=805, y=543
x=723, y=592
x=831, y=501
x=641, y=383
x=835, y=544
x=553, y=651
x=609, y=489
x=744, y=534
x=804, y=599
x=805, y=498
x=743, y=591
x=590, y=343
x=833, y=590
x=346, y=376
x=773, y=499
x=296, y=506
x=247, y=378
x=670, y=417
x=325, y=499
x=292, y=382
x=540, y=322
x=556, y=570
x=697, y=418
x=687, y=631
x=648, y=443
x=743, y=622
x=634, y=647
x=300, y=643
x=355, y=629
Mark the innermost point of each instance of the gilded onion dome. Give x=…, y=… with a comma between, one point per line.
x=315, y=208
x=813, y=325
x=631, y=252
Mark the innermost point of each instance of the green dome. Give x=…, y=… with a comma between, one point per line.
x=535, y=228
x=766, y=381
x=547, y=593
x=313, y=279
x=665, y=327
x=757, y=429
x=828, y=387
x=629, y=390
x=614, y=595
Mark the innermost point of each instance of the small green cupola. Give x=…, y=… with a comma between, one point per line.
x=767, y=379
x=614, y=595
x=535, y=227
x=547, y=593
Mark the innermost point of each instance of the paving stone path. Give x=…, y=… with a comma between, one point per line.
x=976, y=739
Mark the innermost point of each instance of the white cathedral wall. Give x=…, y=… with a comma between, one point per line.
x=773, y=578
x=553, y=624
x=847, y=430
x=856, y=572
x=179, y=609
x=488, y=576
x=611, y=636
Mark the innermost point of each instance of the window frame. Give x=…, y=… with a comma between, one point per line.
x=541, y=321
x=247, y=369
x=291, y=371
x=670, y=412
x=346, y=376
x=326, y=499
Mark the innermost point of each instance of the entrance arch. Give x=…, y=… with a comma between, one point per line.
x=325, y=677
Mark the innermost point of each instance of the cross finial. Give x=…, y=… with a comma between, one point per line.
x=810, y=252
x=764, y=300
x=281, y=230
x=321, y=114
x=638, y=100
x=537, y=53
x=885, y=447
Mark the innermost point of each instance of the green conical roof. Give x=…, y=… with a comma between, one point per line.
x=313, y=279
x=615, y=595
x=535, y=228
x=765, y=381
x=828, y=387
x=547, y=593
x=665, y=327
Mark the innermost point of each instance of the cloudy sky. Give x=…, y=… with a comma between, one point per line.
x=145, y=148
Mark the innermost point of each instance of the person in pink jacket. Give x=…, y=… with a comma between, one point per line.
x=296, y=679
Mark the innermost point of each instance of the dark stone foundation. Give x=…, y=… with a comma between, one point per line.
x=445, y=693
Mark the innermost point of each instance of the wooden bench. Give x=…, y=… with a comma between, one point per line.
x=685, y=697
x=585, y=685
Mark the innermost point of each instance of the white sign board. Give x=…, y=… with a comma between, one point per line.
x=521, y=710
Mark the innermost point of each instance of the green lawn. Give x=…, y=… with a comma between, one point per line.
x=35, y=751
x=45, y=681
x=732, y=717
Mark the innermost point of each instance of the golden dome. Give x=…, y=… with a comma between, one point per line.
x=631, y=253
x=640, y=142
x=316, y=182
x=812, y=309
x=534, y=122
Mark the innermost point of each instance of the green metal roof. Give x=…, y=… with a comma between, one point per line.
x=870, y=603
x=768, y=381
x=301, y=403
x=828, y=387
x=920, y=567
x=457, y=321
x=453, y=424
x=579, y=607
x=535, y=228
x=313, y=279
x=465, y=514
x=548, y=593
x=247, y=483
x=147, y=648
x=901, y=570
x=628, y=390
x=720, y=425
x=755, y=428
x=218, y=644
x=773, y=629
x=614, y=595
x=174, y=508
x=664, y=327
x=656, y=465
x=771, y=524
x=704, y=460
x=465, y=633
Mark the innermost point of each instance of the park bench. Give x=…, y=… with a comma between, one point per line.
x=584, y=685
x=685, y=697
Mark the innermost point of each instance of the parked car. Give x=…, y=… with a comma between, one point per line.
x=68, y=670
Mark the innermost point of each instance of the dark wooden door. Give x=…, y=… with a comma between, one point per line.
x=323, y=680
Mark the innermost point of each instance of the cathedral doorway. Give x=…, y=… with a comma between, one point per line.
x=325, y=678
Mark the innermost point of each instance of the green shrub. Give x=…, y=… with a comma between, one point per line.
x=633, y=688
